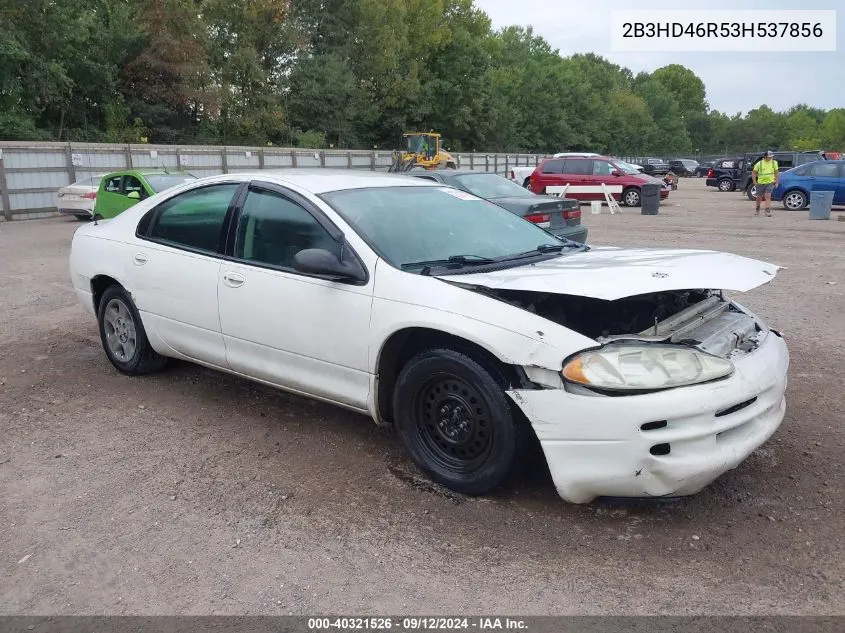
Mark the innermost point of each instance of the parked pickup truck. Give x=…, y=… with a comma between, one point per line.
x=655, y=166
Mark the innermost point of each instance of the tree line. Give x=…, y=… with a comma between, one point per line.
x=351, y=73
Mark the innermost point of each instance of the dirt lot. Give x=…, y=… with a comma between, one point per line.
x=192, y=492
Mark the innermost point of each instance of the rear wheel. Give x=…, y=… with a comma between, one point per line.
x=123, y=336
x=795, y=200
x=456, y=422
x=631, y=197
x=726, y=184
x=527, y=183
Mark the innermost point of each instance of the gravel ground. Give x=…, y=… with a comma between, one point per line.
x=192, y=492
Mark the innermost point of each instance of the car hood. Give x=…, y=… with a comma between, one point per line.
x=612, y=273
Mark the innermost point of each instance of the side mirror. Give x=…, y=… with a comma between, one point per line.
x=616, y=173
x=134, y=195
x=318, y=261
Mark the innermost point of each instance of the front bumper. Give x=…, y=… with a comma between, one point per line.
x=595, y=445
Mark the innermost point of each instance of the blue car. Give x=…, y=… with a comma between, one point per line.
x=796, y=184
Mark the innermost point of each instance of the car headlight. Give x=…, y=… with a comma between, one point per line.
x=644, y=367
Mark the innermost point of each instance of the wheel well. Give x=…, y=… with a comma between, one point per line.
x=99, y=284
x=527, y=182
x=403, y=345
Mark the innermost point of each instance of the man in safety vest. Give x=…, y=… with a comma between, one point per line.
x=765, y=178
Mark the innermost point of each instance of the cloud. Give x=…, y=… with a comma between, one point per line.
x=735, y=82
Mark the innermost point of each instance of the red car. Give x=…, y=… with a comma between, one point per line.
x=585, y=176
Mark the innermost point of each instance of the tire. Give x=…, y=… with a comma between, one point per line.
x=474, y=446
x=631, y=197
x=120, y=326
x=527, y=183
x=82, y=217
x=751, y=192
x=726, y=184
x=794, y=200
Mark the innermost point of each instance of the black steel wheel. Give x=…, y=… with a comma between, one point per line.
x=456, y=421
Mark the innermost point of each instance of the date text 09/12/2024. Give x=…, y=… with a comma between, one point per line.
x=416, y=624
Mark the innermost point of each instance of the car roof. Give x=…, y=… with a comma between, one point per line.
x=319, y=180
x=147, y=172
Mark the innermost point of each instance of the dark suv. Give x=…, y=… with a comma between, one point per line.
x=724, y=173
x=684, y=166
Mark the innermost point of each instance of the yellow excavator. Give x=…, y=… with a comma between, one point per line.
x=422, y=149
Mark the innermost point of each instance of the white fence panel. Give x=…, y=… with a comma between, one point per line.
x=30, y=173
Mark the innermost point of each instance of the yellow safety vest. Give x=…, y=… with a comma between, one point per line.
x=766, y=171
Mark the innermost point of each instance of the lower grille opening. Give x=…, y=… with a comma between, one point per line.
x=736, y=407
x=651, y=426
x=660, y=449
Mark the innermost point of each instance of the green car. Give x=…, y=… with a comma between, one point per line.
x=119, y=190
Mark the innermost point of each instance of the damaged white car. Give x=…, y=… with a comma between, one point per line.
x=464, y=326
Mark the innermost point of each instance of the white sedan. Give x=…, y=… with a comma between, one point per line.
x=468, y=329
x=79, y=198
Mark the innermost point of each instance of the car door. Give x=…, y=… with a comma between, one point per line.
x=109, y=197
x=301, y=332
x=825, y=176
x=603, y=175
x=584, y=185
x=175, y=268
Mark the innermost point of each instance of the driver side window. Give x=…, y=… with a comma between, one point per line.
x=273, y=229
x=130, y=184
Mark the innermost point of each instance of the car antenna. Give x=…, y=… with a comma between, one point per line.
x=164, y=167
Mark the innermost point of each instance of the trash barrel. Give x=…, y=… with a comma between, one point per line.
x=820, y=203
x=650, y=198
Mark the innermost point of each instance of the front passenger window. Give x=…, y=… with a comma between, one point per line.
x=273, y=229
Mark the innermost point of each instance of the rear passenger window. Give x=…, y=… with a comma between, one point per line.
x=552, y=167
x=578, y=167
x=194, y=219
x=825, y=170
x=273, y=229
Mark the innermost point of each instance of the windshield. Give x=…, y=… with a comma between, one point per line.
x=417, y=224
x=160, y=182
x=628, y=168
x=491, y=186
x=689, y=163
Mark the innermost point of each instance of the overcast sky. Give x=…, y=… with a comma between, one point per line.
x=735, y=82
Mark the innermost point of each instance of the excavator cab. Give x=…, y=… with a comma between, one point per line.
x=422, y=149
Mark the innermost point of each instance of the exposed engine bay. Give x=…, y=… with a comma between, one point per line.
x=699, y=318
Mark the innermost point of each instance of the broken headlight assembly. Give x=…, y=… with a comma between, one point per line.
x=643, y=367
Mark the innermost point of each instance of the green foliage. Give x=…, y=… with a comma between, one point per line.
x=351, y=73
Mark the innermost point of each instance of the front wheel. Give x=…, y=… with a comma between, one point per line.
x=527, y=183
x=751, y=192
x=795, y=200
x=631, y=197
x=456, y=422
x=123, y=336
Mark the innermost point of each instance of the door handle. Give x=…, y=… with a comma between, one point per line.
x=140, y=259
x=234, y=280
